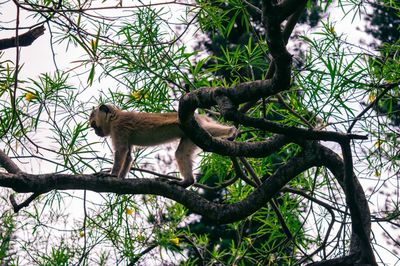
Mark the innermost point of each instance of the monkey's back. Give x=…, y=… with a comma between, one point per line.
x=147, y=129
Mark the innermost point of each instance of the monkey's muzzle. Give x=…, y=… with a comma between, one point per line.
x=97, y=130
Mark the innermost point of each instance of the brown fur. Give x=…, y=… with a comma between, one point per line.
x=147, y=129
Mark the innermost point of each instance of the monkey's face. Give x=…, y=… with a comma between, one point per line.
x=94, y=124
x=100, y=119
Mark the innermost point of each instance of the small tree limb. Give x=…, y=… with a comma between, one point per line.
x=25, y=39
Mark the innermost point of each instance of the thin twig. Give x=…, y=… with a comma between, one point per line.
x=281, y=220
x=17, y=207
x=256, y=9
x=196, y=249
x=141, y=254
x=282, y=101
x=328, y=207
x=240, y=173
x=386, y=87
x=219, y=186
x=250, y=170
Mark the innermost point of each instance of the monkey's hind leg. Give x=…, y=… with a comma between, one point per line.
x=183, y=156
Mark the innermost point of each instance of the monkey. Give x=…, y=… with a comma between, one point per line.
x=129, y=128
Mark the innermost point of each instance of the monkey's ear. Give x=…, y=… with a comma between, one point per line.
x=104, y=108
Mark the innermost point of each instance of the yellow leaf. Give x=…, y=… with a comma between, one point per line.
x=136, y=95
x=141, y=238
x=29, y=96
x=128, y=211
x=81, y=234
x=271, y=260
x=174, y=241
x=378, y=143
x=371, y=97
x=93, y=43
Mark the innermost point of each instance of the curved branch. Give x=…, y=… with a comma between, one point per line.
x=243, y=92
x=190, y=102
x=349, y=260
x=229, y=99
x=314, y=154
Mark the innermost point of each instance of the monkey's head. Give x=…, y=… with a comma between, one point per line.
x=100, y=119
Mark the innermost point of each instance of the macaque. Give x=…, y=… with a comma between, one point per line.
x=147, y=129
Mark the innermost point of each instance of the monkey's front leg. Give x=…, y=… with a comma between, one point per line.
x=126, y=167
x=122, y=164
x=120, y=156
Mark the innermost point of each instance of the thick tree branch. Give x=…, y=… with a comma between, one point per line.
x=208, y=143
x=349, y=260
x=278, y=79
x=362, y=233
x=291, y=131
x=313, y=154
x=287, y=31
x=213, y=212
x=357, y=202
x=25, y=39
x=292, y=21
x=229, y=99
